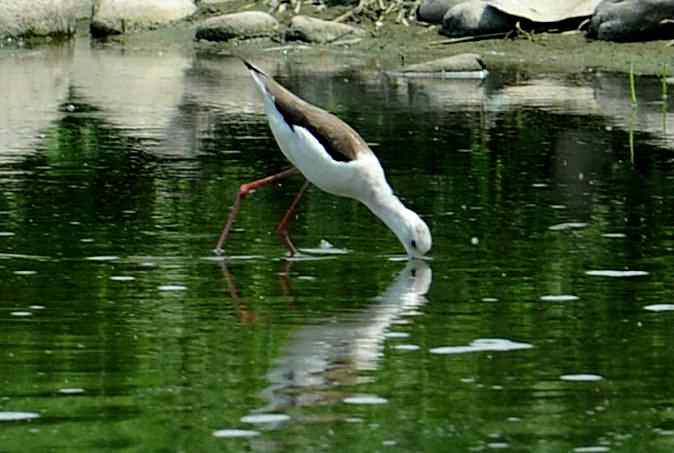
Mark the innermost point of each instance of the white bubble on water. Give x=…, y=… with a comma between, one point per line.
x=265, y=418
x=17, y=416
x=559, y=298
x=21, y=313
x=102, y=258
x=615, y=273
x=122, y=278
x=483, y=344
x=613, y=235
x=581, y=377
x=235, y=433
x=172, y=288
x=71, y=391
x=396, y=334
x=659, y=307
x=567, y=226
x=26, y=272
x=365, y=399
x=592, y=449
x=406, y=347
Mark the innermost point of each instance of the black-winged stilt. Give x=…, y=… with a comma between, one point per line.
x=332, y=156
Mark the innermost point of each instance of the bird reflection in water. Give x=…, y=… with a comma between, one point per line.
x=322, y=356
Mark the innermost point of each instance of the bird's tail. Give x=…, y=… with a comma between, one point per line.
x=259, y=76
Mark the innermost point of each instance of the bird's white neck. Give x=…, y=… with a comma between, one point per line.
x=391, y=211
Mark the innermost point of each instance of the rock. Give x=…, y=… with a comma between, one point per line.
x=465, y=66
x=497, y=16
x=38, y=18
x=432, y=11
x=456, y=63
x=244, y=25
x=85, y=9
x=113, y=17
x=475, y=18
x=546, y=11
x=633, y=20
x=310, y=29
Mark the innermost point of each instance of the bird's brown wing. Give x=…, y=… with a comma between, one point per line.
x=340, y=141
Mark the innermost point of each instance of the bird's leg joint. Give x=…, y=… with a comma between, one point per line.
x=245, y=190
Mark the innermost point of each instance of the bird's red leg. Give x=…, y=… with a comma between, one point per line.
x=244, y=191
x=282, y=228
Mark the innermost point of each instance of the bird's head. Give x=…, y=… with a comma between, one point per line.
x=415, y=236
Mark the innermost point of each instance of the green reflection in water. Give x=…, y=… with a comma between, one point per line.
x=133, y=337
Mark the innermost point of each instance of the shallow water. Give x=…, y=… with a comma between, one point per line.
x=532, y=328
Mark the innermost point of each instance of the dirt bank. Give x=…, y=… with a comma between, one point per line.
x=391, y=45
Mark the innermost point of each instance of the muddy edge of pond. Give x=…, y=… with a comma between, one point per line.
x=387, y=47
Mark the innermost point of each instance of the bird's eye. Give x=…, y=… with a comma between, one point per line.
x=413, y=244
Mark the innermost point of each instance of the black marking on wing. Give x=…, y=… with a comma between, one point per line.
x=294, y=117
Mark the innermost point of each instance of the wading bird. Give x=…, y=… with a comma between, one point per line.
x=332, y=156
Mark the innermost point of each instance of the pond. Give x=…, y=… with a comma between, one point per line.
x=543, y=321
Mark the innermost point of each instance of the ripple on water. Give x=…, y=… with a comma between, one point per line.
x=172, y=288
x=71, y=391
x=615, y=273
x=265, y=418
x=406, y=347
x=396, y=334
x=102, y=258
x=16, y=416
x=325, y=248
x=559, y=298
x=593, y=449
x=21, y=313
x=235, y=433
x=498, y=445
x=659, y=307
x=581, y=377
x=26, y=272
x=613, y=235
x=567, y=226
x=220, y=258
x=483, y=344
x=313, y=257
x=365, y=399
x=122, y=278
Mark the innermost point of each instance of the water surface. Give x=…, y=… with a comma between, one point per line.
x=531, y=329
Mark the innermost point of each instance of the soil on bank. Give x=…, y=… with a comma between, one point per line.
x=393, y=45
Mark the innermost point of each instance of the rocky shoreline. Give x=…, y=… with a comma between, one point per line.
x=392, y=33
